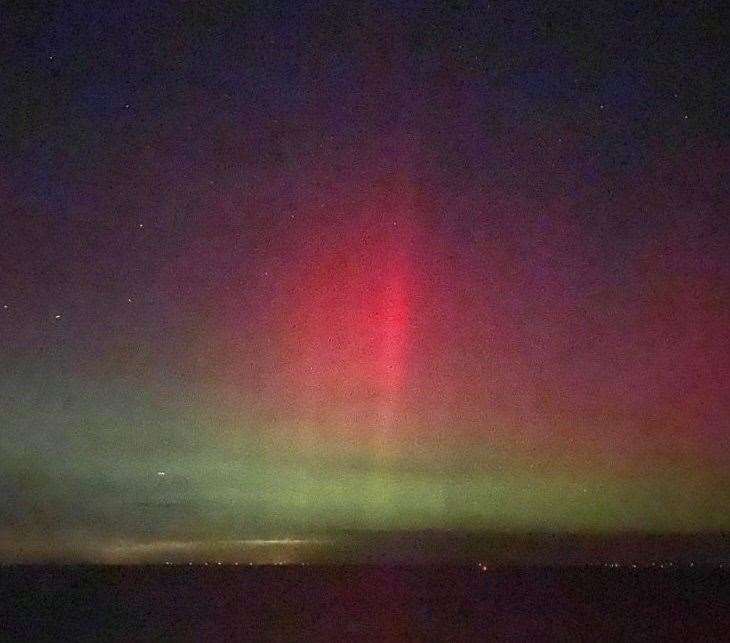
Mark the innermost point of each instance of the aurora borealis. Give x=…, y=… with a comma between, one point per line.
x=270, y=272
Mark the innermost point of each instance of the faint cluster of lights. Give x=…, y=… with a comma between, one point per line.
x=220, y=563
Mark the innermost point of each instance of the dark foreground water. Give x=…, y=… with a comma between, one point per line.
x=363, y=603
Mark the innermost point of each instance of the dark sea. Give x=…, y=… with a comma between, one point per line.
x=363, y=603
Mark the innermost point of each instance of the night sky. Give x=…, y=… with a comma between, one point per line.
x=276, y=270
